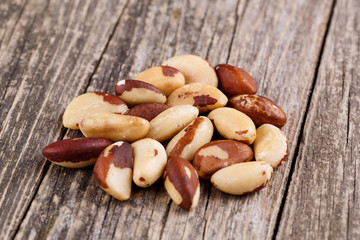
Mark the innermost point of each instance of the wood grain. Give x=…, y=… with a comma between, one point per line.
x=324, y=194
x=47, y=57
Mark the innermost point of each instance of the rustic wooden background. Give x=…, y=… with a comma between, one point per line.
x=304, y=54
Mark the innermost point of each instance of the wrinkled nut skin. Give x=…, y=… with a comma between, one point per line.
x=194, y=69
x=168, y=123
x=191, y=138
x=234, y=80
x=165, y=78
x=113, y=170
x=242, y=178
x=135, y=92
x=219, y=154
x=75, y=152
x=148, y=111
x=260, y=109
x=115, y=127
x=90, y=103
x=149, y=161
x=233, y=124
x=202, y=96
x=182, y=183
x=270, y=145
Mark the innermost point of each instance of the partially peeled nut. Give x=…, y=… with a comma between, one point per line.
x=113, y=170
x=182, y=183
x=194, y=68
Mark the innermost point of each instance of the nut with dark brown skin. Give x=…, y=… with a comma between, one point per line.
x=135, y=92
x=260, y=109
x=75, y=152
x=234, y=80
x=90, y=103
x=182, y=183
x=113, y=170
x=148, y=111
x=219, y=154
x=242, y=178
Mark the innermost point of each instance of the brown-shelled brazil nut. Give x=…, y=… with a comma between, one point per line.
x=113, y=170
x=242, y=178
x=75, y=152
x=90, y=103
x=194, y=68
x=168, y=123
x=149, y=161
x=165, y=78
x=115, y=127
x=216, y=155
x=233, y=124
x=191, y=138
x=234, y=80
x=260, y=109
x=135, y=92
x=270, y=145
x=200, y=95
x=147, y=110
x=182, y=183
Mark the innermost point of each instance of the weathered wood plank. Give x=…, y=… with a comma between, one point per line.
x=279, y=43
x=49, y=57
x=324, y=195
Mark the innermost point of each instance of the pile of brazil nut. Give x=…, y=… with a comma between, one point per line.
x=161, y=123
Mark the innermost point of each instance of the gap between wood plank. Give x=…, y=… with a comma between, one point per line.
x=301, y=133
x=64, y=130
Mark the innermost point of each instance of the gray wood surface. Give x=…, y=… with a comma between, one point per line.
x=52, y=51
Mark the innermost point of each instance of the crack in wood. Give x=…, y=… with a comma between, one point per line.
x=235, y=26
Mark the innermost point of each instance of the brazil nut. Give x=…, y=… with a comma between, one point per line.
x=147, y=111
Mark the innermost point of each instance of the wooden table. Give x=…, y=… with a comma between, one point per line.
x=303, y=54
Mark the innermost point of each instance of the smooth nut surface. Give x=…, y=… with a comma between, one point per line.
x=90, y=103
x=191, y=138
x=75, y=152
x=165, y=78
x=182, y=183
x=200, y=95
x=270, y=145
x=260, y=109
x=148, y=111
x=149, y=161
x=168, y=123
x=242, y=178
x=218, y=154
x=194, y=68
x=113, y=170
x=115, y=127
x=234, y=80
x=135, y=92
x=233, y=124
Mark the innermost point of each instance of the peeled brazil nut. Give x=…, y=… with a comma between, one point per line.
x=113, y=170
x=234, y=80
x=270, y=145
x=216, y=155
x=260, y=109
x=165, y=78
x=200, y=95
x=233, y=124
x=75, y=152
x=115, y=127
x=149, y=161
x=194, y=68
x=148, y=110
x=135, y=92
x=242, y=178
x=182, y=183
x=191, y=138
x=90, y=103
x=168, y=123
